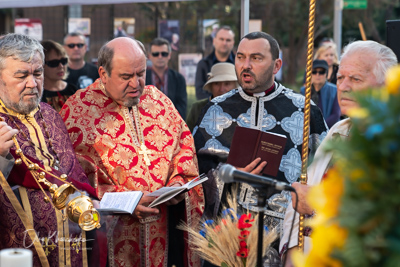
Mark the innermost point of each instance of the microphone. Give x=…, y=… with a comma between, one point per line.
x=230, y=174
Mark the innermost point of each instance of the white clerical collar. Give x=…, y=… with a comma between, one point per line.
x=259, y=94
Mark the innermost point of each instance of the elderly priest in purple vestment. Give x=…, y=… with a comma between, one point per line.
x=29, y=218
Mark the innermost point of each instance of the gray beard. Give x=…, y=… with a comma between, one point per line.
x=22, y=108
x=131, y=102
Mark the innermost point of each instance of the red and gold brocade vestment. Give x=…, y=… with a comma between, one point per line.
x=106, y=141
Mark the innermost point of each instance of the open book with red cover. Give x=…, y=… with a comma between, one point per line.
x=249, y=144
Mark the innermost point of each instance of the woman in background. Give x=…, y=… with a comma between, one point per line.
x=328, y=52
x=56, y=90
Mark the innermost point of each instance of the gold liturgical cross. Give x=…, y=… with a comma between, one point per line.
x=46, y=246
x=143, y=151
x=76, y=246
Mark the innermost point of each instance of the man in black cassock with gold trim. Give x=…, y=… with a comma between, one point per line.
x=263, y=104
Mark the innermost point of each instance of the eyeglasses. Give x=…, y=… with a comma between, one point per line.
x=73, y=45
x=321, y=72
x=56, y=62
x=156, y=54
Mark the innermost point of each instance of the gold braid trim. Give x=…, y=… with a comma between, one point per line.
x=25, y=202
x=25, y=220
x=307, y=107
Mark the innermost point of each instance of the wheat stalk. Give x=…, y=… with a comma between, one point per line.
x=222, y=239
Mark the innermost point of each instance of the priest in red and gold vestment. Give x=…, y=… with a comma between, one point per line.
x=28, y=218
x=129, y=136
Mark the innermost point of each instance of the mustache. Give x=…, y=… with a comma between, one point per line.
x=247, y=71
x=30, y=92
x=347, y=95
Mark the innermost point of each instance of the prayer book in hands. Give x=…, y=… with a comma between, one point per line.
x=249, y=144
x=120, y=202
x=167, y=193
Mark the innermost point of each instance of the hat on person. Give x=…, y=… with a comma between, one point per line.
x=220, y=72
x=319, y=63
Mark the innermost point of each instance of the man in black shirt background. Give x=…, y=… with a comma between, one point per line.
x=81, y=73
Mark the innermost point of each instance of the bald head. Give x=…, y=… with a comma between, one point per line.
x=122, y=70
x=121, y=46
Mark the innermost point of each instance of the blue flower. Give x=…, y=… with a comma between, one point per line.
x=203, y=233
x=266, y=228
x=208, y=222
x=228, y=212
x=373, y=130
x=203, y=230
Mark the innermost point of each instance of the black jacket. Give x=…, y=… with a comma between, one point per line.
x=203, y=68
x=176, y=89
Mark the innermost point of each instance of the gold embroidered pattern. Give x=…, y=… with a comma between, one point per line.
x=94, y=111
x=151, y=107
x=73, y=137
x=187, y=141
x=95, y=98
x=76, y=246
x=46, y=246
x=111, y=125
x=124, y=254
x=157, y=138
x=154, y=255
x=123, y=156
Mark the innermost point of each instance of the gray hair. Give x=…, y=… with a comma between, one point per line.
x=106, y=54
x=19, y=47
x=385, y=57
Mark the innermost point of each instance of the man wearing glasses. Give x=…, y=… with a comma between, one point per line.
x=81, y=73
x=170, y=82
x=324, y=93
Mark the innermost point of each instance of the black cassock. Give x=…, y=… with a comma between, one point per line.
x=280, y=111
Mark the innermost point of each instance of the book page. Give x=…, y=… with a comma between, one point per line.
x=196, y=181
x=166, y=193
x=281, y=135
x=120, y=201
x=167, y=196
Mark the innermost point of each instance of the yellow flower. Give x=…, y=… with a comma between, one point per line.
x=393, y=80
x=357, y=174
x=358, y=113
x=325, y=239
x=327, y=235
x=382, y=94
x=325, y=197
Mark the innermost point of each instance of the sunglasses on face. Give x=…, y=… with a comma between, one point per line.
x=73, y=45
x=320, y=72
x=156, y=54
x=56, y=62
